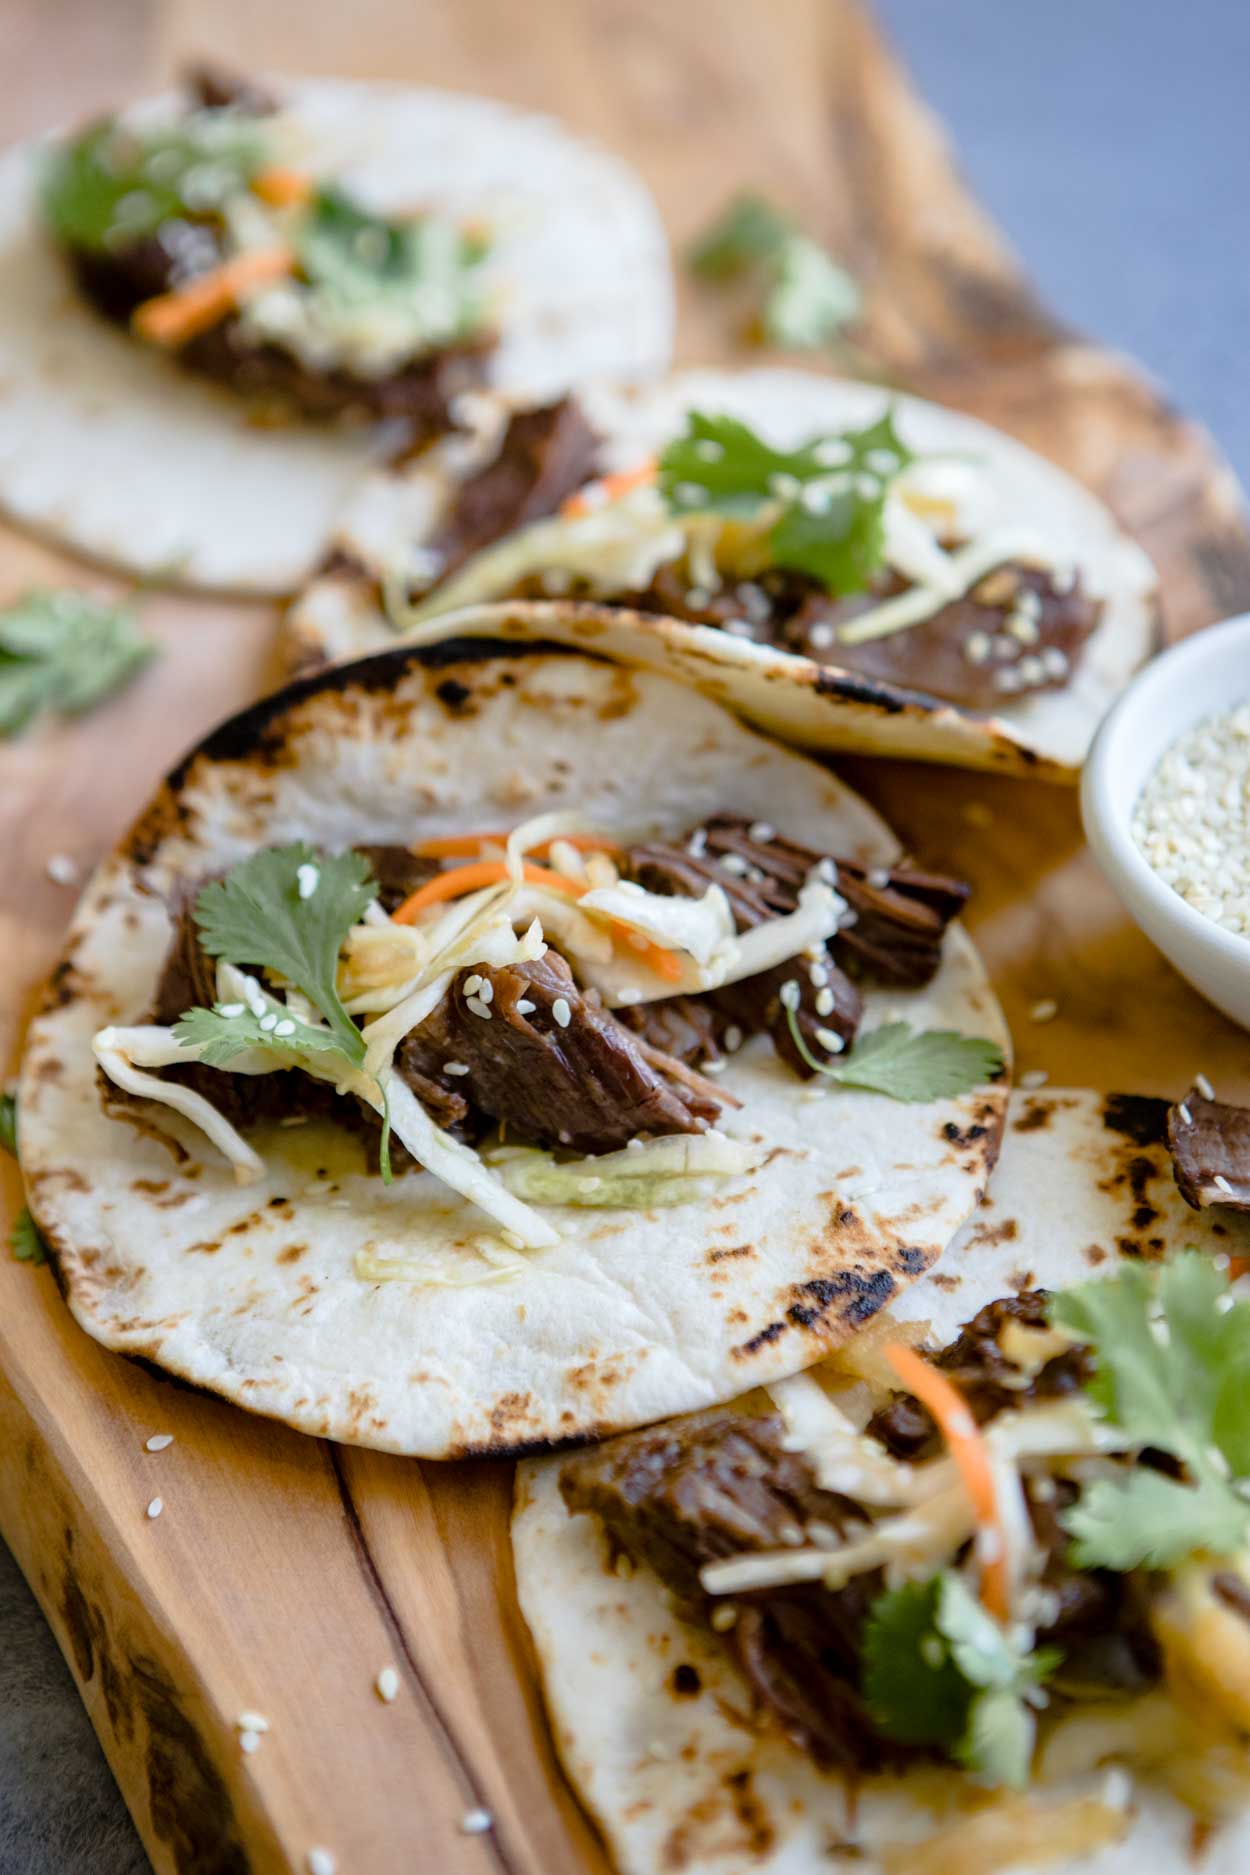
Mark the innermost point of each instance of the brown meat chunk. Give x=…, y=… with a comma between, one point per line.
x=546, y=454
x=1209, y=1141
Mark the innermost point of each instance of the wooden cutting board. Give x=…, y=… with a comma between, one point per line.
x=283, y=1574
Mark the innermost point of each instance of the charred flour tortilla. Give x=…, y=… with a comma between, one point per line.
x=1067, y=609
x=652, y=1716
x=632, y=1314
x=119, y=453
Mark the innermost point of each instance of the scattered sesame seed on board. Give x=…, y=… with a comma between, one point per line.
x=252, y=1722
x=387, y=1684
x=155, y=1508
x=61, y=869
x=321, y=1862
x=1034, y=1077
x=158, y=1442
x=476, y=1822
x=249, y=1742
x=1045, y=1010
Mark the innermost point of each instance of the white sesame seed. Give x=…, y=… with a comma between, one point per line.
x=977, y=648
x=249, y=1741
x=1044, y=1011
x=269, y=1022
x=478, y=1007
x=712, y=1067
x=230, y=1010
x=734, y=863
x=561, y=1012
x=763, y=831
x=155, y=1507
x=1222, y=1184
x=472, y=985
x=1189, y=819
x=698, y=597
x=476, y=1822
x=321, y=1862
x=785, y=487
x=831, y=1042
x=696, y=845
x=158, y=1442
x=878, y=878
x=524, y=1007
x=821, y=635
x=285, y=1027
x=252, y=1722
x=824, y=1002
x=1204, y=1087
x=61, y=869
x=1054, y=661
x=1184, y=1115
x=1023, y=628
x=633, y=1145
x=487, y=991
x=455, y=1067
x=827, y=871
x=817, y=976
x=789, y=994
x=708, y=449
x=723, y=1616
x=738, y=628
x=387, y=1684
x=1034, y=1077
x=733, y=1039
x=307, y=879
x=1032, y=670
x=815, y=1092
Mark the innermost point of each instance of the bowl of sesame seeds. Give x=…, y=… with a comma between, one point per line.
x=1165, y=798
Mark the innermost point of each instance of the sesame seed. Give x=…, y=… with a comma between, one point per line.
x=821, y=635
x=1029, y=603
x=158, y=1442
x=269, y=1023
x=478, y=1007
x=249, y=1741
x=763, y=831
x=789, y=994
x=1007, y=680
x=476, y=1822
x=688, y=494
x=977, y=648
x=712, y=1067
x=1054, y=661
x=285, y=1027
x=878, y=878
x=830, y=1042
x=155, y=1507
x=230, y=1010
x=1190, y=817
x=1044, y=1011
x=785, y=487
x=387, y=1684
x=561, y=1012
x=1034, y=1077
x=455, y=1067
x=1204, y=1087
x=61, y=869
x=307, y=879
x=734, y=863
x=696, y=845
x=321, y=1862
x=472, y=985
x=817, y=976
x=814, y=1093
x=708, y=450
x=827, y=871
x=733, y=1039
x=1022, y=628
x=633, y=1145
x=1222, y=1184
x=1185, y=1116
x=524, y=1007
x=252, y=1722
x=738, y=628
x=723, y=1616
x=698, y=597
x=824, y=1002
x=1032, y=670
x=487, y=991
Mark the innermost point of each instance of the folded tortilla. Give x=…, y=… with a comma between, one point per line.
x=116, y=453
x=817, y=705
x=680, y=1780
x=634, y=1314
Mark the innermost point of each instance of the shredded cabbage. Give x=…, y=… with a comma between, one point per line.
x=657, y=1172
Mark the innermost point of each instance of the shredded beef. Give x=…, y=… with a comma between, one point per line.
x=397, y=873
x=1210, y=1140
x=214, y=88
x=688, y=1028
x=546, y=454
x=794, y=612
x=585, y=1083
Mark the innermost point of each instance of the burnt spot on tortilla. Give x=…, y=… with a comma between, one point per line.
x=868, y=694
x=685, y=1681
x=941, y=1279
x=761, y=1340
x=1140, y=1118
x=453, y=693
x=990, y=1236
x=509, y=1409
x=862, y=1292
x=730, y=1250
x=292, y=1253
x=729, y=1819
x=1094, y=1254
x=1035, y=1118
x=910, y=1260
x=964, y=1136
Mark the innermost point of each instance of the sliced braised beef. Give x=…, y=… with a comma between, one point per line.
x=689, y=1028
x=988, y=1381
x=1019, y=631
x=1210, y=1146
x=552, y=1066
x=214, y=88
x=546, y=455
x=397, y=873
x=675, y=1497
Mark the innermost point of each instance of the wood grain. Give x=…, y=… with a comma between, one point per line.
x=283, y=1574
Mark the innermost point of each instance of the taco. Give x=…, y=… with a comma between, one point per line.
x=902, y=1612
x=219, y=307
x=848, y=568
x=699, y=1070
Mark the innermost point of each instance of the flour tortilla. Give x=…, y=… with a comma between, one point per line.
x=816, y=706
x=116, y=453
x=1080, y=1182
x=634, y=1315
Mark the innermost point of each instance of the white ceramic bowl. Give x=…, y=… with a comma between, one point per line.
x=1205, y=675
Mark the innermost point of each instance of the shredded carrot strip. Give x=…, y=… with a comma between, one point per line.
x=173, y=318
x=612, y=486
x=967, y=1447
x=282, y=188
x=469, y=845
x=1237, y=1266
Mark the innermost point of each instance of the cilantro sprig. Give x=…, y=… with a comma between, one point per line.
x=939, y=1671
x=8, y=1124
x=425, y=268
x=1173, y=1375
x=113, y=184
x=25, y=1240
x=907, y=1064
x=832, y=490
x=806, y=300
x=65, y=651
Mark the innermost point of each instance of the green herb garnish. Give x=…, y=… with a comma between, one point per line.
x=64, y=651
x=425, y=267
x=938, y=1670
x=113, y=184
x=8, y=1123
x=831, y=491
x=806, y=299
x=1173, y=1375
x=25, y=1239
x=906, y=1064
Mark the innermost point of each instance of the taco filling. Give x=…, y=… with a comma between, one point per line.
x=849, y=550
x=209, y=239
x=1024, y=1554
x=534, y=1016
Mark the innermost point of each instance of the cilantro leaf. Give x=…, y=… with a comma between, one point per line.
x=832, y=489
x=112, y=184
x=64, y=651
x=979, y=1647
x=425, y=268
x=914, y=1690
x=1173, y=1357
x=257, y=917
x=26, y=1241
x=894, y=1059
x=806, y=299
x=8, y=1123
x=811, y=300
x=220, y=1036
x=998, y=1738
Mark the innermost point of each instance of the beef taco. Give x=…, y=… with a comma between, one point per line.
x=478, y=1048
x=970, y=1595
x=848, y=568
x=219, y=307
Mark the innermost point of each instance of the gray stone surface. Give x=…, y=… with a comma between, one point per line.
x=1110, y=140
